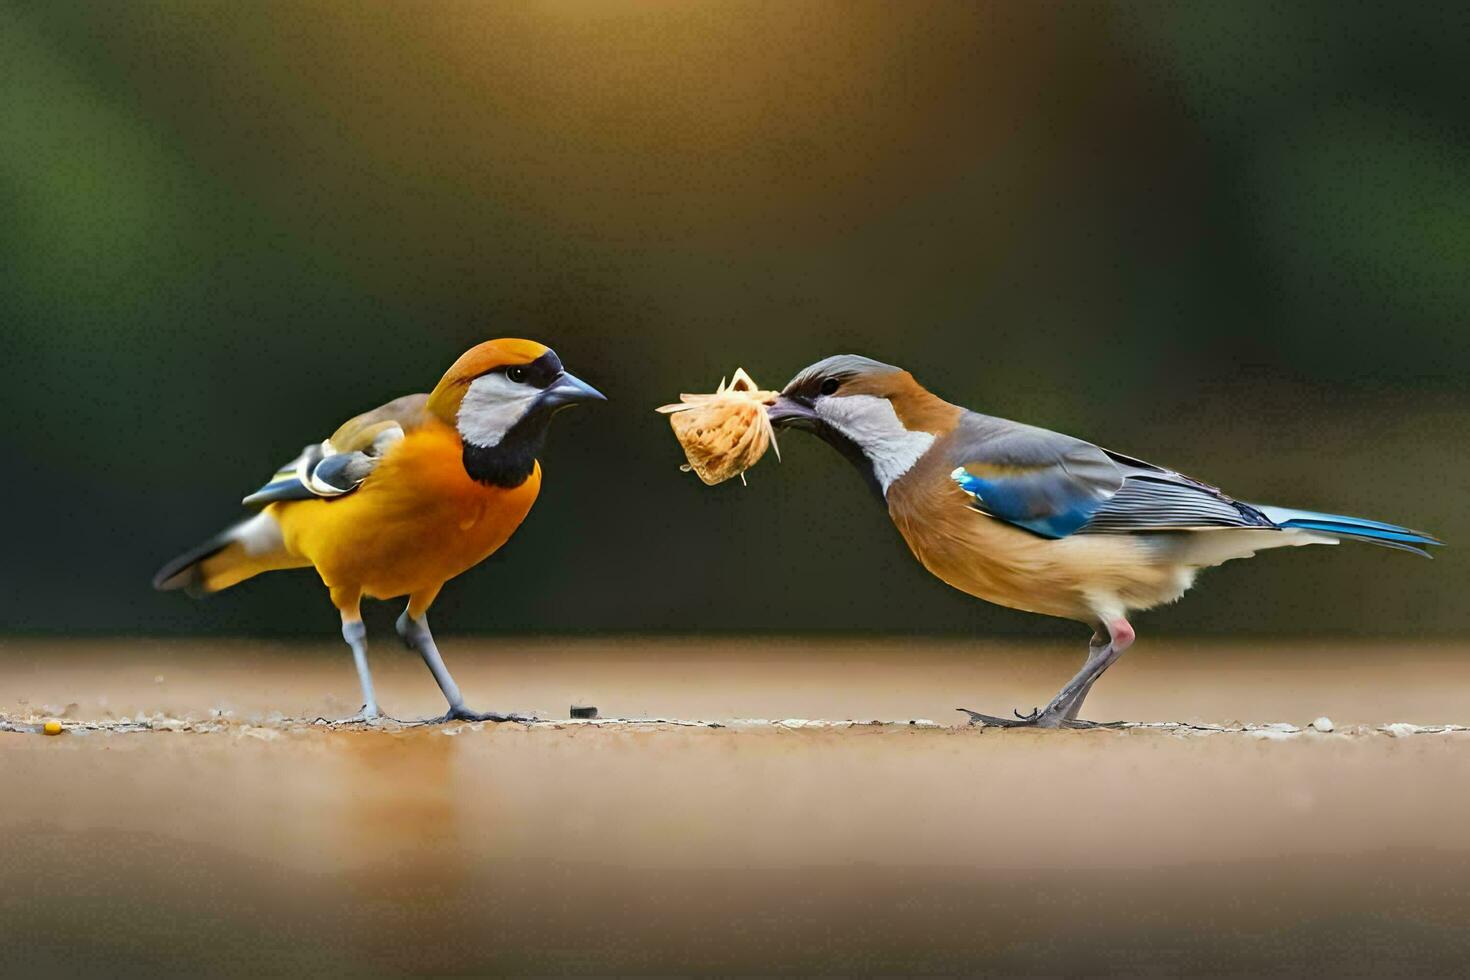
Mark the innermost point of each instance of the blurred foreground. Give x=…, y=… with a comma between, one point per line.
x=485, y=848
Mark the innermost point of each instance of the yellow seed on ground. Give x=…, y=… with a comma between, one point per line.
x=52, y=728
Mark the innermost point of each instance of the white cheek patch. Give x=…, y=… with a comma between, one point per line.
x=491, y=406
x=874, y=426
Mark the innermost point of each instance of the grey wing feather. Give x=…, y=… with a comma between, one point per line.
x=288, y=482
x=1157, y=503
x=1008, y=443
x=1043, y=481
x=339, y=465
x=344, y=471
x=1056, y=485
x=321, y=472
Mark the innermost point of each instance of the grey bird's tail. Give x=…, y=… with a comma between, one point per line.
x=1351, y=528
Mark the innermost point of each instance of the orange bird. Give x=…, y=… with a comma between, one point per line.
x=402, y=499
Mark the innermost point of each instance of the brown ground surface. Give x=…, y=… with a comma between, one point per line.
x=274, y=848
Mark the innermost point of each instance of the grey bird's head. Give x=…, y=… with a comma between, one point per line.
x=873, y=413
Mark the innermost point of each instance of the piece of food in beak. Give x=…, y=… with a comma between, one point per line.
x=726, y=433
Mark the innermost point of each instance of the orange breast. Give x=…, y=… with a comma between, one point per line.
x=417, y=521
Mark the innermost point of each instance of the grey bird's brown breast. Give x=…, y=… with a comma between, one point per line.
x=987, y=558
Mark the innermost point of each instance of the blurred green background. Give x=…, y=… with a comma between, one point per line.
x=1233, y=238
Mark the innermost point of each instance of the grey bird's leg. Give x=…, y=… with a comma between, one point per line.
x=1098, y=642
x=416, y=636
x=1062, y=711
x=355, y=633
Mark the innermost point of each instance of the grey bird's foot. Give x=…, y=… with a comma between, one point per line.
x=1051, y=718
x=1108, y=643
x=462, y=713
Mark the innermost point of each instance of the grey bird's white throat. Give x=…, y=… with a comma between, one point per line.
x=875, y=428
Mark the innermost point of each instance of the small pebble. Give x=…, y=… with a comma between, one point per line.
x=1323, y=724
x=52, y=728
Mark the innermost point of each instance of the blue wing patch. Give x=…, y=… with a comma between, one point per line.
x=1040, y=502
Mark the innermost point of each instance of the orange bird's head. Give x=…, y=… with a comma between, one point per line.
x=501, y=395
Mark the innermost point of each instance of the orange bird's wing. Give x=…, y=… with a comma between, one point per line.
x=337, y=465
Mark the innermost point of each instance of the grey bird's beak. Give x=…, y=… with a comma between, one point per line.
x=787, y=412
x=569, y=390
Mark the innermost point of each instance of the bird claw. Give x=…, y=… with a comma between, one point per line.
x=1035, y=719
x=462, y=713
x=371, y=718
x=990, y=721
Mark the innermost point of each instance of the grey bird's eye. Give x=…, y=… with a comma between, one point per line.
x=516, y=374
x=830, y=386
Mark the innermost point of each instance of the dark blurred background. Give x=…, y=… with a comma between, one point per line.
x=1231, y=238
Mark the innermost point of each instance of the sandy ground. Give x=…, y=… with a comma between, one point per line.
x=272, y=847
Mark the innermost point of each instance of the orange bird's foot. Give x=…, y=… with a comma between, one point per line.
x=462, y=713
x=365, y=716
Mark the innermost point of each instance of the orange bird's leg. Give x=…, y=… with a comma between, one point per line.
x=413, y=626
x=348, y=603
